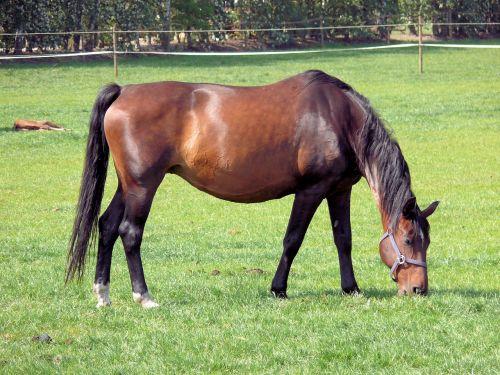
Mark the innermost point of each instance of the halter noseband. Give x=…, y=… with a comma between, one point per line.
x=400, y=258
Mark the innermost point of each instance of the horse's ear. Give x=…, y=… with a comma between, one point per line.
x=430, y=210
x=409, y=207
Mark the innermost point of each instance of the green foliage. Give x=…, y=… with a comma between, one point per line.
x=85, y=15
x=446, y=121
x=267, y=14
x=193, y=14
x=464, y=11
x=24, y=16
x=224, y=17
x=128, y=15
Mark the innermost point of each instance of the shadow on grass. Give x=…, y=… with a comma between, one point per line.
x=465, y=292
x=388, y=294
x=317, y=294
x=217, y=61
x=210, y=61
x=379, y=293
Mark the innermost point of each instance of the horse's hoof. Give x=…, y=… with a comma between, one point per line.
x=102, y=293
x=102, y=303
x=353, y=290
x=150, y=304
x=145, y=300
x=279, y=294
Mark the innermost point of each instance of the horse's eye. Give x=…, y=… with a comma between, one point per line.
x=408, y=241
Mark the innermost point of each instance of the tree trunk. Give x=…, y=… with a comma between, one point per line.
x=76, y=42
x=18, y=43
x=65, y=41
x=78, y=25
x=383, y=31
x=189, y=39
x=448, y=20
x=91, y=42
x=29, y=44
x=165, y=37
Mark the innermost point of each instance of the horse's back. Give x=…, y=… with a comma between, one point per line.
x=238, y=143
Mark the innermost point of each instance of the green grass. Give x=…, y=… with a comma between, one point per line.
x=447, y=122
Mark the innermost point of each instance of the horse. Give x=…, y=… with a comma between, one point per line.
x=311, y=135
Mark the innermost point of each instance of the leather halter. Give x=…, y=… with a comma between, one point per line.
x=400, y=258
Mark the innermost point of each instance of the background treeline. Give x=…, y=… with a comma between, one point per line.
x=33, y=16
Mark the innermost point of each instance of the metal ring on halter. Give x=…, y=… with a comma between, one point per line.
x=401, y=259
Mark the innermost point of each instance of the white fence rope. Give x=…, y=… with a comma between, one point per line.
x=461, y=45
x=55, y=55
x=254, y=53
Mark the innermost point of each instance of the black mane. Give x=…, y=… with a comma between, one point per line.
x=377, y=153
x=317, y=76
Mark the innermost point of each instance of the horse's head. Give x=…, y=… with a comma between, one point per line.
x=404, y=249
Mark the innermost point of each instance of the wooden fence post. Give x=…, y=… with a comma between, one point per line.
x=115, y=63
x=420, y=47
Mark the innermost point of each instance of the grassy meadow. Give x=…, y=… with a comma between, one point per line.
x=447, y=121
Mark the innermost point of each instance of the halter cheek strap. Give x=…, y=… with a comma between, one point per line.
x=400, y=258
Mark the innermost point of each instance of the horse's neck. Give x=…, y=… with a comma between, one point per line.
x=388, y=177
x=380, y=159
x=372, y=178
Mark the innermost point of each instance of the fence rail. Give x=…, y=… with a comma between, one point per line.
x=115, y=34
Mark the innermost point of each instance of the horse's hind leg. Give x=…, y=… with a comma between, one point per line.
x=137, y=207
x=108, y=233
x=304, y=207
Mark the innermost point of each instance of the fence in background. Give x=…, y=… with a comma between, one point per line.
x=151, y=48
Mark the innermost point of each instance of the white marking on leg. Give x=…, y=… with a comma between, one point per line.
x=145, y=300
x=102, y=293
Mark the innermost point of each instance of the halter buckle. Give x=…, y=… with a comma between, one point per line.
x=401, y=259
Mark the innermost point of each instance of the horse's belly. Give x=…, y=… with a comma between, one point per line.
x=250, y=184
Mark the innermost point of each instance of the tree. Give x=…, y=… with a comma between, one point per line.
x=192, y=14
x=272, y=14
x=93, y=15
x=128, y=15
x=24, y=17
x=166, y=12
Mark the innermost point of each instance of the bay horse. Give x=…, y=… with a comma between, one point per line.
x=311, y=135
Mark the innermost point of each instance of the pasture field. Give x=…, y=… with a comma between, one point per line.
x=448, y=124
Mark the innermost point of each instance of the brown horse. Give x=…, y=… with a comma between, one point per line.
x=311, y=135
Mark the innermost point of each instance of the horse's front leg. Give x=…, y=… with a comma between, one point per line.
x=339, y=205
x=304, y=207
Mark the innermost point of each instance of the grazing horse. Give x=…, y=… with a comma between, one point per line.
x=311, y=135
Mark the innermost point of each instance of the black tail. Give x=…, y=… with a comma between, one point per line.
x=92, y=189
